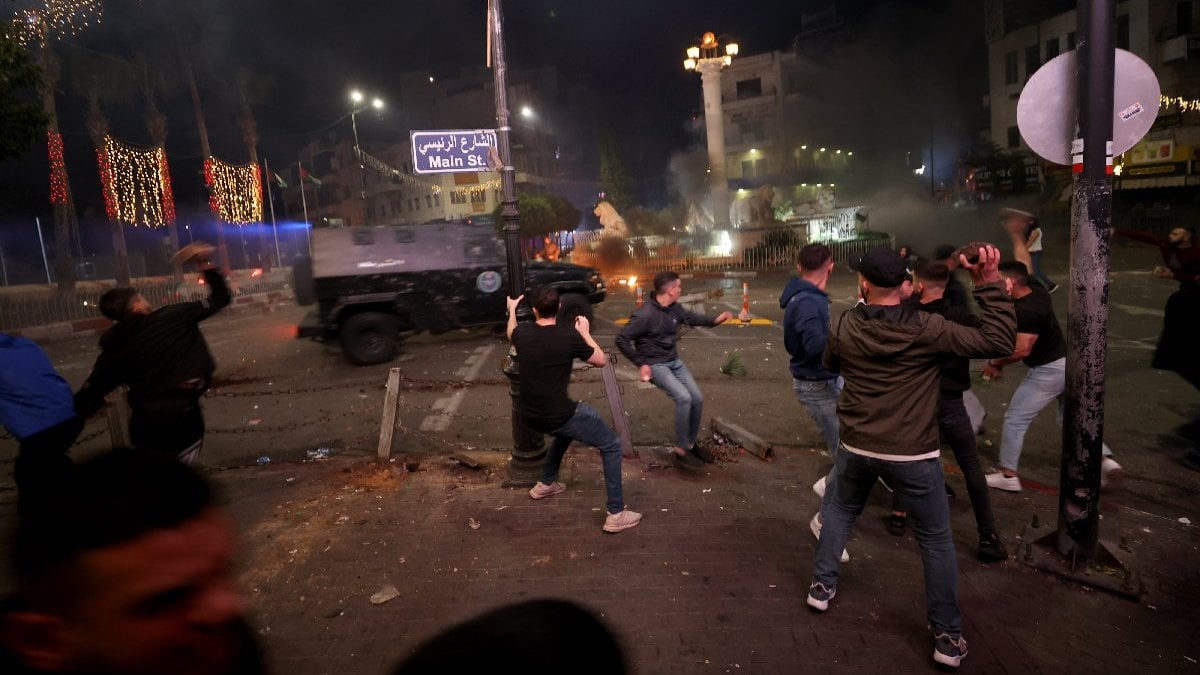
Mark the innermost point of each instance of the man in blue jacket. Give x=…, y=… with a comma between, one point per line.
x=649, y=340
x=35, y=407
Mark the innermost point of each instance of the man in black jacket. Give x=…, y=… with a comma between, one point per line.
x=163, y=358
x=650, y=341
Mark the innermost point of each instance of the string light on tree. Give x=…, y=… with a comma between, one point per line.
x=136, y=184
x=1184, y=105
x=234, y=192
x=58, y=169
x=56, y=19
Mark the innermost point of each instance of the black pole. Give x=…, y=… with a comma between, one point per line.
x=524, y=468
x=1087, y=302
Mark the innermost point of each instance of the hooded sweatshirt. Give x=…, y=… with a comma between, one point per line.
x=652, y=334
x=805, y=328
x=891, y=357
x=157, y=353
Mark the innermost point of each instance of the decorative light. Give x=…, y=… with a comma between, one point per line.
x=689, y=64
x=58, y=169
x=693, y=52
x=804, y=147
x=850, y=153
x=731, y=49
x=356, y=96
x=235, y=192
x=136, y=184
x=1184, y=105
x=55, y=18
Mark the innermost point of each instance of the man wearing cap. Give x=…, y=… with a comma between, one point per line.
x=890, y=356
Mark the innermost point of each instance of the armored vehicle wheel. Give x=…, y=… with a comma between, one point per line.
x=571, y=305
x=370, y=338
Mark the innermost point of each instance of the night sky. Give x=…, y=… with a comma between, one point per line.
x=908, y=68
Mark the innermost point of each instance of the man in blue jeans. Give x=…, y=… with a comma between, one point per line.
x=805, y=328
x=890, y=355
x=650, y=341
x=546, y=351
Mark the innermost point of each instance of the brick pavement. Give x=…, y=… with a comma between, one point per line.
x=712, y=581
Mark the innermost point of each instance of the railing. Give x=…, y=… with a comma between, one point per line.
x=41, y=307
x=666, y=255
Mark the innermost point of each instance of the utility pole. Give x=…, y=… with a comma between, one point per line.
x=528, y=452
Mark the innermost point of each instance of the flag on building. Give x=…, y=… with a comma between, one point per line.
x=306, y=176
x=279, y=180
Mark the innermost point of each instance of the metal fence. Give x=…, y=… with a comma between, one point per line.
x=645, y=259
x=38, y=307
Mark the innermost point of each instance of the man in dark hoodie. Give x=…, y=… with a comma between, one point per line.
x=953, y=421
x=163, y=358
x=650, y=341
x=805, y=329
x=890, y=355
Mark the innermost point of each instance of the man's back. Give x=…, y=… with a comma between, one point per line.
x=546, y=354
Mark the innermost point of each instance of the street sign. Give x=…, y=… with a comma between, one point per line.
x=1048, y=109
x=454, y=151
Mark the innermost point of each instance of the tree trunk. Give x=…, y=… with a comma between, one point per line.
x=64, y=212
x=206, y=152
x=97, y=125
x=250, y=136
x=156, y=125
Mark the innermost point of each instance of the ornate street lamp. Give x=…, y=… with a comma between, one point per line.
x=359, y=104
x=708, y=58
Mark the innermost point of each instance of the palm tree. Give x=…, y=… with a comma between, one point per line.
x=189, y=72
x=65, y=219
x=103, y=82
x=253, y=89
x=151, y=83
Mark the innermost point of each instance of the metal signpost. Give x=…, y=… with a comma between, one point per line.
x=1082, y=108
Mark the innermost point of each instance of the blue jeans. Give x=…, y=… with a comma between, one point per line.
x=586, y=427
x=674, y=378
x=1042, y=384
x=922, y=490
x=1036, y=258
x=820, y=398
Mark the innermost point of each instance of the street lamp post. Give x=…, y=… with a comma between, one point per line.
x=357, y=99
x=529, y=451
x=708, y=59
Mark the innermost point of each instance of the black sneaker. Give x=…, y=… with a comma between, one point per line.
x=687, y=461
x=949, y=651
x=819, y=596
x=702, y=453
x=991, y=549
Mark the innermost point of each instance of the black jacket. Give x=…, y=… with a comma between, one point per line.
x=157, y=353
x=652, y=334
x=956, y=370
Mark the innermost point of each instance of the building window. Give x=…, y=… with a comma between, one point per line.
x=1014, y=137
x=760, y=167
x=457, y=197
x=747, y=168
x=1033, y=61
x=1051, y=48
x=749, y=89
x=478, y=197
x=1010, y=68
x=1123, y=32
x=1071, y=40
x=752, y=131
x=437, y=200
x=428, y=201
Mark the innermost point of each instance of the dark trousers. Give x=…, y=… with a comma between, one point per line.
x=42, y=461
x=171, y=424
x=957, y=431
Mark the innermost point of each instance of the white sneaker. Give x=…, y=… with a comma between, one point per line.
x=999, y=481
x=1110, y=469
x=819, y=486
x=815, y=526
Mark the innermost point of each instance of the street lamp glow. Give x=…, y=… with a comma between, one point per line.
x=689, y=64
x=356, y=96
x=850, y=153
x=526, y=112
x=839, y=152
x=821, y=150
x=377, y=103
x=693, y=52
x=753, y=150
x=804, y=147
x=431, y=78
x=731, y=49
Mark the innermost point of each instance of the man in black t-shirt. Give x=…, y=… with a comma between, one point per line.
x=546, y=351
x=1040, y=345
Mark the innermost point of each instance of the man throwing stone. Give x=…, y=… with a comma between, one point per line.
x=546, y=351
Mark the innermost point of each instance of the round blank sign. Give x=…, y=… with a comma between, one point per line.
x=1049, y=105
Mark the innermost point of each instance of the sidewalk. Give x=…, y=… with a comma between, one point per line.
x=712, y=581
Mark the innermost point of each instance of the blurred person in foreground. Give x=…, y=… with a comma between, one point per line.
x=128, y=571
x=162, y=356
x=890, y=356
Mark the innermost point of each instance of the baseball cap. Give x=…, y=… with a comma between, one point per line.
x=881, y=266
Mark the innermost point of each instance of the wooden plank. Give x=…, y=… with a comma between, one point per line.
x=620, y=420
x=748, y=441
x=387, y=426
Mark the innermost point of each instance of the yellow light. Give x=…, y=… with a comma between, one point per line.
x=693, y=52
x=753, y=150
x=708, y=41
x=804, y=147
x=727, y=60
x=356, y=96
x=136, y=183
x=236, y=192
x=731, y=49
x=850, y=153
x=839, y=152
x=689, y=64
x=377, y=103
x=821, y=150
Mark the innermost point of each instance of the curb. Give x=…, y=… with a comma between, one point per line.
x=746, y=274
x=67, y=330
